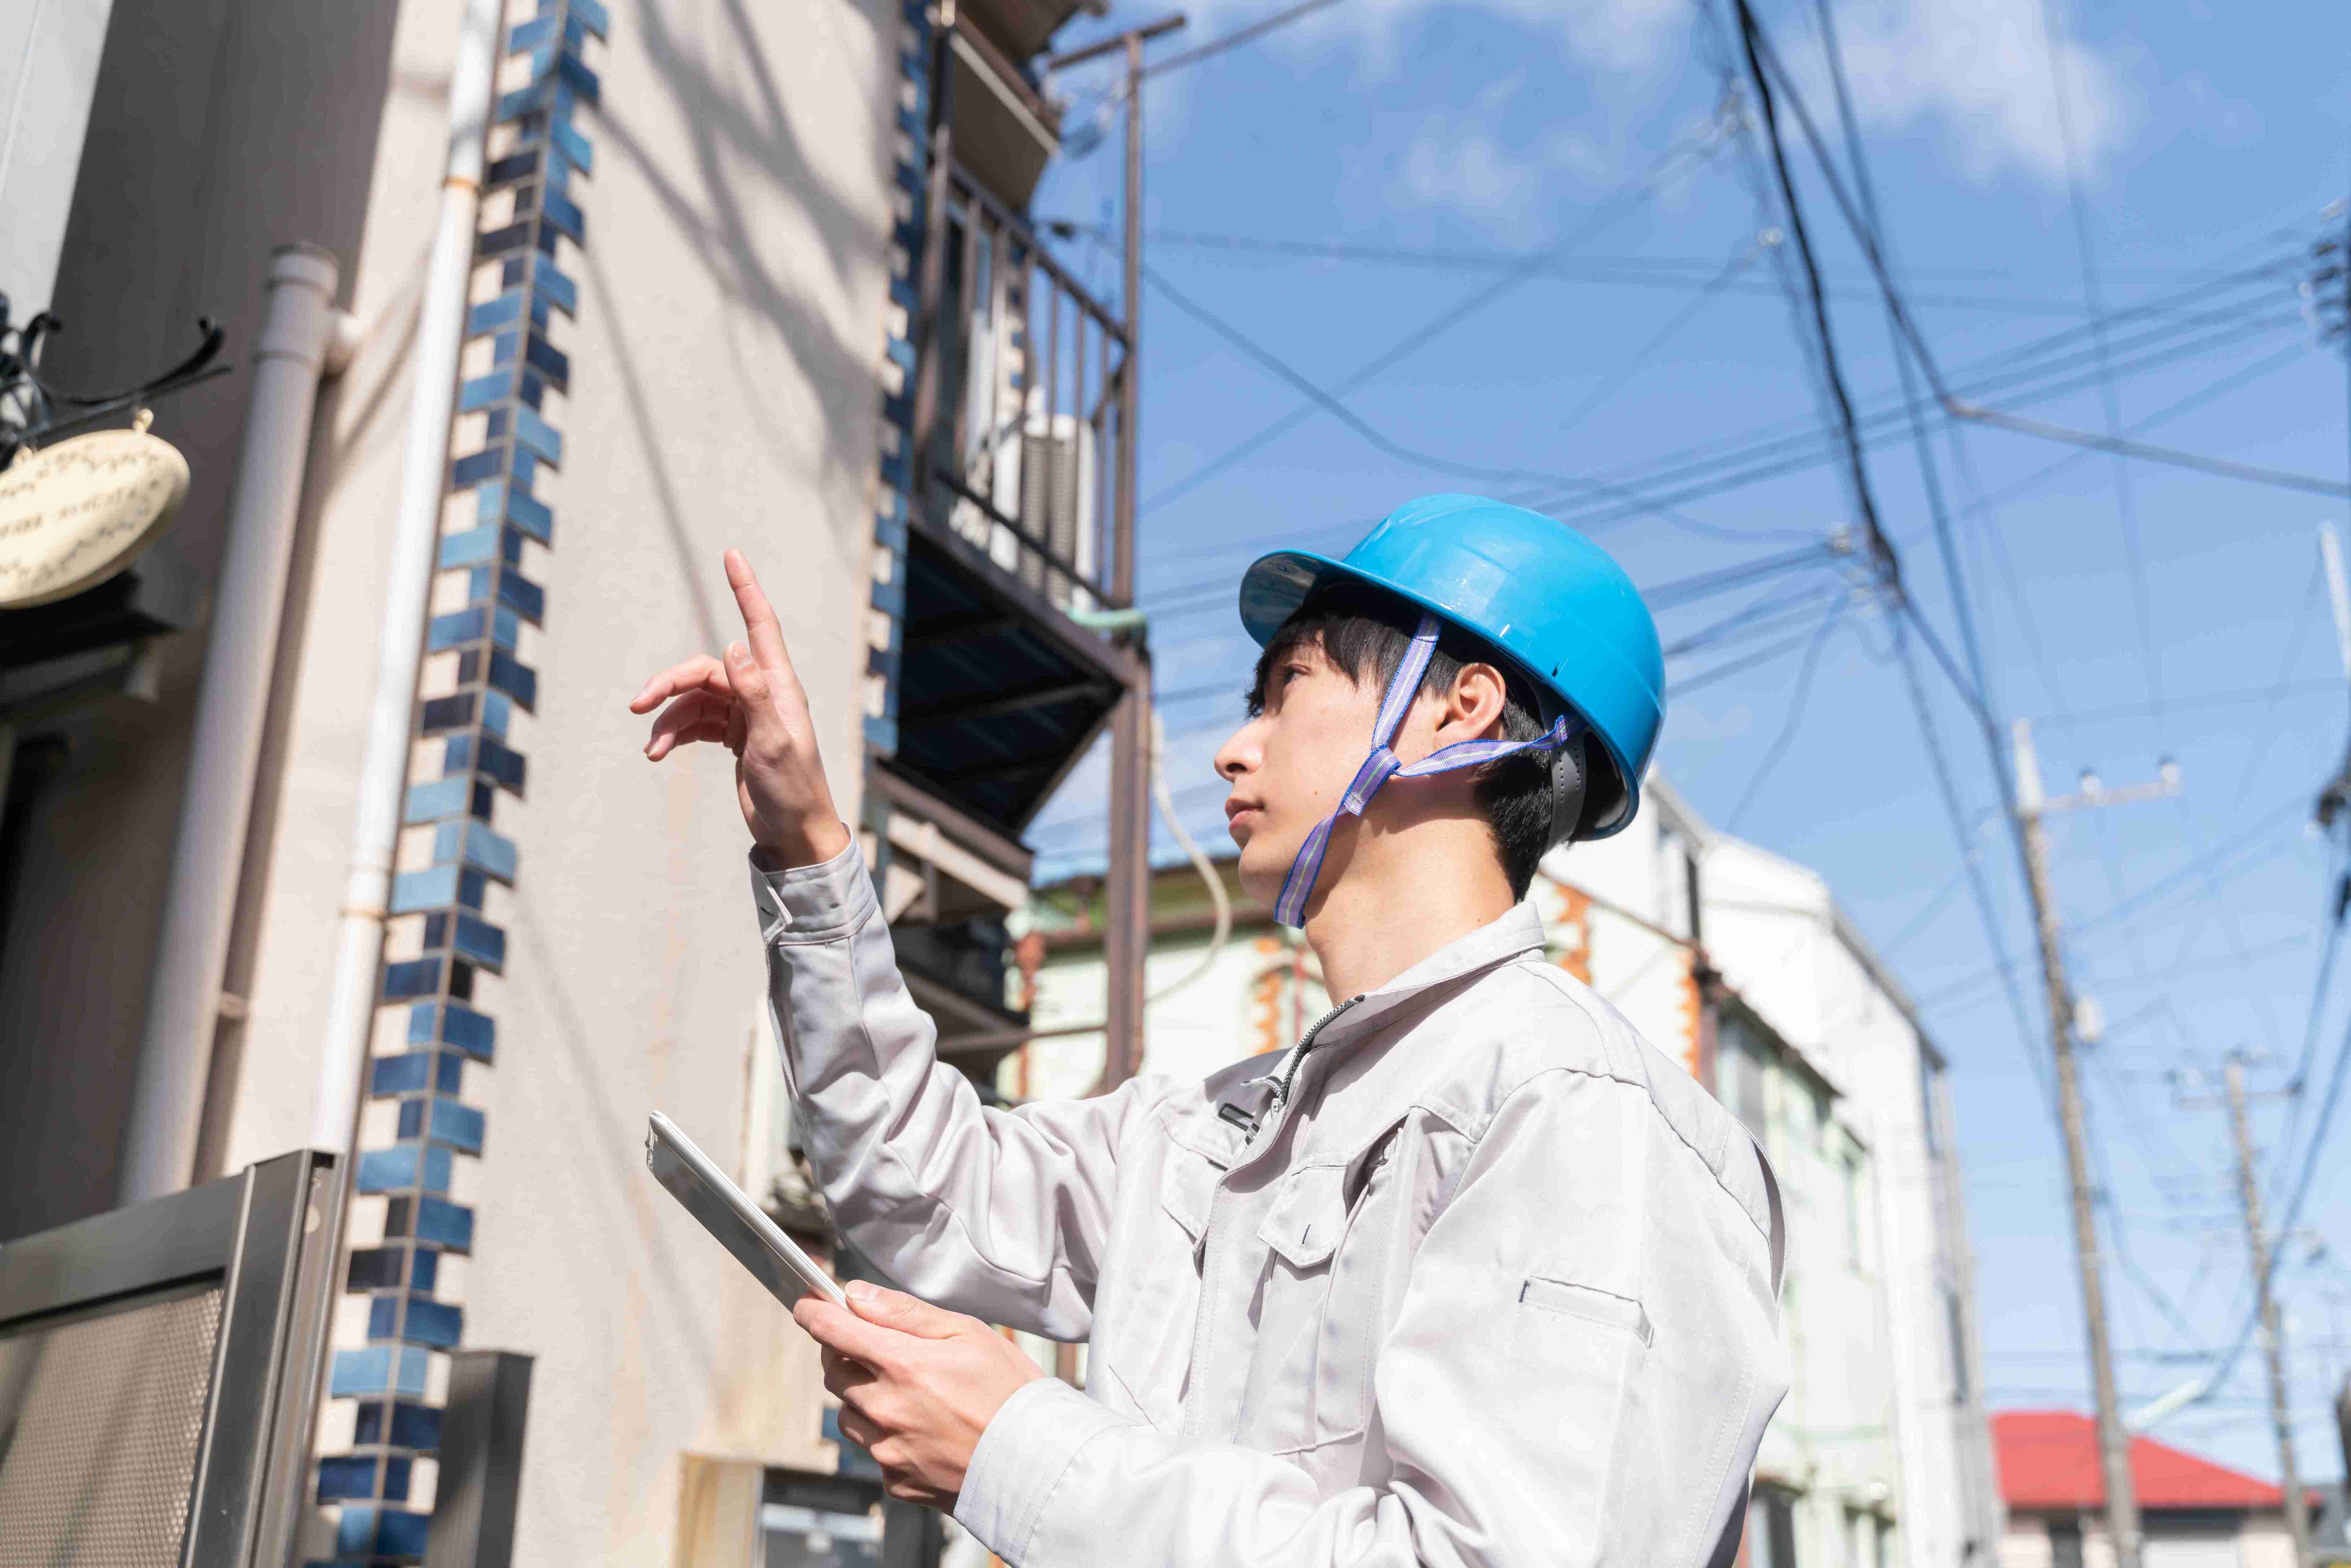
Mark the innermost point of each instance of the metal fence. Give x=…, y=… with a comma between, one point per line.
x=1020, y=442
x=155, y=1383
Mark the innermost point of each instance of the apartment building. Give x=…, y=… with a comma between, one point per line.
x=530, y=309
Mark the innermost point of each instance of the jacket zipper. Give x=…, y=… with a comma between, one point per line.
x=1283, y=1085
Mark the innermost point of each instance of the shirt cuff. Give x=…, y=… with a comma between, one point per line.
x=812, y=902
x=1021, y=1459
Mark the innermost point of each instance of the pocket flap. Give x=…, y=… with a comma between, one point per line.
x=1595, y=1306
x=1307, y=1215
x=1187, y=1185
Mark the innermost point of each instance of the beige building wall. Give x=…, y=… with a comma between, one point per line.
x=723, y=384
x=725, y=390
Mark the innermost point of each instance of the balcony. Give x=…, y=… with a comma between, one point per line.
x=1019, y=542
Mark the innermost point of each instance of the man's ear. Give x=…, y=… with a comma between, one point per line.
x=1473, y=706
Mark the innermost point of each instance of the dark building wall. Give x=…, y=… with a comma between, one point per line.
x=221, y=128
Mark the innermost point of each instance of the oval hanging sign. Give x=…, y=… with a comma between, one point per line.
x=74, y=514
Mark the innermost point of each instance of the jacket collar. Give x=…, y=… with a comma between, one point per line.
x=1518, y=930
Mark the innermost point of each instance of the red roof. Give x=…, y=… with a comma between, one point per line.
x=2049, y=1459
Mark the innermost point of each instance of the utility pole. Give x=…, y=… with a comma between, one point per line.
x=2332, y=800
x=2259, y=1248
x=2113, y=1441
x=1126, y=946
x=2249, y=1193
x=2343, y=1423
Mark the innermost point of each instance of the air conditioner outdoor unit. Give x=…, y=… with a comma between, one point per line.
x=1057, y=506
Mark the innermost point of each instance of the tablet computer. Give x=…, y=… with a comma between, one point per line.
x=774, y=1258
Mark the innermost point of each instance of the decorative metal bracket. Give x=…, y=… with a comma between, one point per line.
x=34, y=411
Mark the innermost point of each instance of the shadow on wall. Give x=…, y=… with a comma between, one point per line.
x=737, y=136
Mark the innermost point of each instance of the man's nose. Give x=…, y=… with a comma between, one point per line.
x=1238, y=754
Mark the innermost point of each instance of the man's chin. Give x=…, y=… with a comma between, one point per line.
x=1262, y=866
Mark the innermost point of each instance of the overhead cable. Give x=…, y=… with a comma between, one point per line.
x=1609, y=211
x=1798, y=701
x=1248, y=35
x=1960, y=409
x=1436, y=462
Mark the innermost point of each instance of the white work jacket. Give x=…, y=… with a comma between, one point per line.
x=1494, y=1283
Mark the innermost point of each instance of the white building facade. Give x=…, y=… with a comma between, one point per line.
x=1881, y=1454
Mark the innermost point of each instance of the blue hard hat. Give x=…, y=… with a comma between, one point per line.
x=1549, y=600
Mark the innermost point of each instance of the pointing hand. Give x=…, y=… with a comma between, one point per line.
x=753, y=702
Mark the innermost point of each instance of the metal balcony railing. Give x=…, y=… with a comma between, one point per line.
x=1021, y=436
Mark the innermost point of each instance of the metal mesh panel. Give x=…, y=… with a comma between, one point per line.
x=99, y=1422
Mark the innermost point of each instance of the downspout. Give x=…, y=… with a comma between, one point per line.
x=416, y=528
x=303, y=338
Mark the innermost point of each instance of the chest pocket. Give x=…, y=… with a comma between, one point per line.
x=1145, y=1344
x=1329, y=1270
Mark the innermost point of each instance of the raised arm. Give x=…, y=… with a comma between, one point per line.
x=1000, y=1215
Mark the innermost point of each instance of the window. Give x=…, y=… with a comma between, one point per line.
x=1849, y=1163
x=1961, y=1390
x=1772, y=1527
x=2065, y=1543
x=820, y=1521
x=1740, y=1060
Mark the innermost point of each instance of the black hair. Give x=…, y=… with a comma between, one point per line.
x=1364, y=634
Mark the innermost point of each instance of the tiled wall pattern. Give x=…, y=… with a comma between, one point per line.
x=465, y=771
x=894, y=487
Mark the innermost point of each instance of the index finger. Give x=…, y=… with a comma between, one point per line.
x=868, y=1344
x=766, y=636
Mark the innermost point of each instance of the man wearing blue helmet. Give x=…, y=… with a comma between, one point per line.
x=1469, y=1275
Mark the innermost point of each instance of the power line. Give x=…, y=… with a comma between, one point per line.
x=1740, y=259
x=1637, y=272
x=1797, y=702
x=1958, y=409
x=2267, y=365
x=1608, y=214
x=2034, y=359
x=1248, y=35
x=2255, y=837
x=2039, y=357
x=1329, y=402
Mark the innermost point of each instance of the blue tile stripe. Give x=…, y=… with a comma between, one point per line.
x=538, y=158
x=911, y=174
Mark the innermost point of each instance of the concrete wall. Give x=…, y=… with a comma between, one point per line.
x=217, y=130
x=724, y=389
x=723, y=376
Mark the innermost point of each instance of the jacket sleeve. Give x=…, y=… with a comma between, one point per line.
x=999, y=1214
x=1517, y=1431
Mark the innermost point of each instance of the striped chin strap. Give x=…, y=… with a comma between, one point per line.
x=1382, y=765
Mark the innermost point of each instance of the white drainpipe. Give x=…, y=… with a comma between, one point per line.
x=416, y=530
x=302, y=335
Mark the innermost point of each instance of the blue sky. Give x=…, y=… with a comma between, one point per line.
x=1439, y=147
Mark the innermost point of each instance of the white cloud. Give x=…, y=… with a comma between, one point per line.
x=1976, y=72
x=1983, y=71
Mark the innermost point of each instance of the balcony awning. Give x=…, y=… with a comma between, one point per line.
x=998, y=693
x=1023, y=27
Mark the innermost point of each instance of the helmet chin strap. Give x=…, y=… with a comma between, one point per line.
x=1561, y=741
